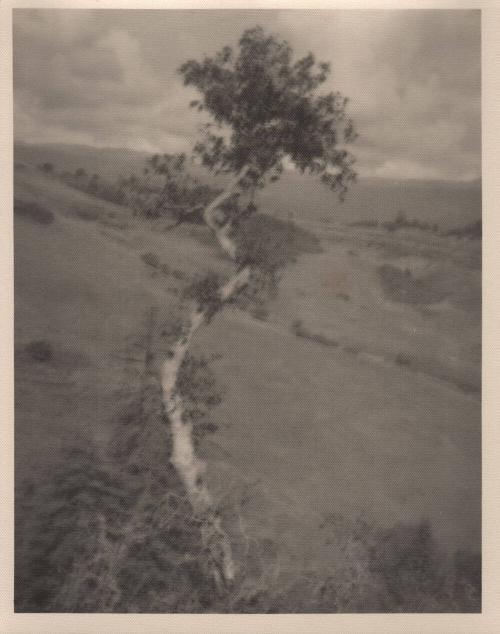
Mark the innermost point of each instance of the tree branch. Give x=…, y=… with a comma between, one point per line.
x=222, y=233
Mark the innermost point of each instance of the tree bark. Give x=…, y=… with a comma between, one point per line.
x=222, y=233
x=189, y=467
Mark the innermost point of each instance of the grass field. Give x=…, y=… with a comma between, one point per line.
x=371, y=408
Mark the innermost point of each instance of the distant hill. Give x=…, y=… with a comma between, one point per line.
x=107, y=162
x=447, y=203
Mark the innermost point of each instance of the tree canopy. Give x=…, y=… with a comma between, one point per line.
x=266, y=108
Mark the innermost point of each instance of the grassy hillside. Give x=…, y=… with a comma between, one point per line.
x=446, y=203
x=343, y=443
x=92, y=312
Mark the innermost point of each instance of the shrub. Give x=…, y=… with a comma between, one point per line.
x=33, y=211
x=177, y=274
x=474, y=230
x=402, y=286
x=95, y=186
x=368, y=224
x=40, y=350
x=269, y=243
x=402, y=358
x=408, y=562
x=260, y=312
x=88, y=213
x=352, y=349
x=151, y=259
x=402, y=222
x=46, y=168
x=200, y=393
x=373, y=569
x=299, y=330
x=205, y=291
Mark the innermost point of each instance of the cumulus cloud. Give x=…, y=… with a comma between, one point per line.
x=413, y=78
x=79, y=79
x=109, y=78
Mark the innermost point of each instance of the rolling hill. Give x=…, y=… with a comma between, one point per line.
x=447, y=203
x=356, y=393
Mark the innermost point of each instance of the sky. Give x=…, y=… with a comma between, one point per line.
x=109, y=78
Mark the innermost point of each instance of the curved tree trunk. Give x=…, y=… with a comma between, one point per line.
x=188, y=465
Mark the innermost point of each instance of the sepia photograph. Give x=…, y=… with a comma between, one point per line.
x=248, y=311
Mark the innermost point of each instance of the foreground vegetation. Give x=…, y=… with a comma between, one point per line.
x=114, y=531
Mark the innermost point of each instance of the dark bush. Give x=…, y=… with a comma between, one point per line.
x=406, y=558
x=368, y=224
x=88, y=213
x=402, y=286
x=402, y=358
x=205, y=292
x=269, y=243
x=33, y=211
x=402, y=222
x=46, y=168
x=299, y=330
x=380, y=570
x=151, y=259
x=200, y=393
x=474, y=230
x=260, y=312
x=40, y=350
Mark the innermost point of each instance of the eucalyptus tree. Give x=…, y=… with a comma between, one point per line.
x=266, y=112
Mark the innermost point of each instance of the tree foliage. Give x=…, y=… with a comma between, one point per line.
x=177, y=193
x=265, y=109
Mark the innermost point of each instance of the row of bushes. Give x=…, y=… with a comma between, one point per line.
x=400, y=222
x=90, y=184
x=472, y=230
x=155, y=194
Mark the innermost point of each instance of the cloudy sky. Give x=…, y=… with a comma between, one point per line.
x=108, y=78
